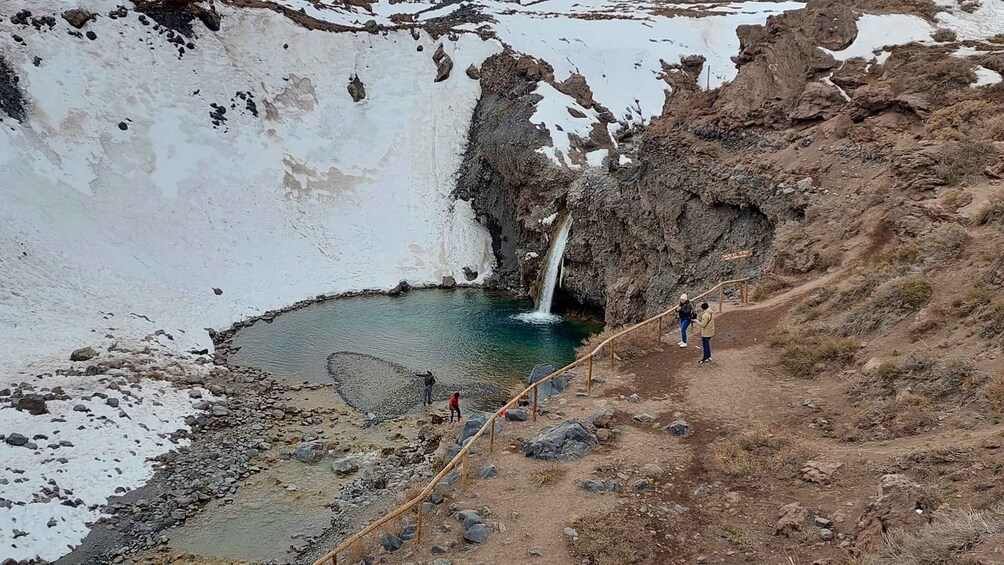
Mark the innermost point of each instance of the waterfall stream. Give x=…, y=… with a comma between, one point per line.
x=549, y=276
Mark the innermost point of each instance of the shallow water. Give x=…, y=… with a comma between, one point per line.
x=464, y=336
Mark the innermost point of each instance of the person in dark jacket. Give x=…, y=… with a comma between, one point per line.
x=430, y=380
x=687, y=317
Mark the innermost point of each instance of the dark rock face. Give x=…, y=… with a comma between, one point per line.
x=357, y=90
x=444, y=64
x=564, y=441
x=551, y=387
x=11, y=98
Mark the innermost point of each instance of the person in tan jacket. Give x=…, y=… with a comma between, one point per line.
x=707, y=322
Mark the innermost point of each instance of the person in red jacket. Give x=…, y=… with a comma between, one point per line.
x=454, y=405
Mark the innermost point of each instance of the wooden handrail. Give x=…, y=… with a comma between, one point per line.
x=461, y=456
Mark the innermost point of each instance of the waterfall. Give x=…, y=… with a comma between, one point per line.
x=552, y=266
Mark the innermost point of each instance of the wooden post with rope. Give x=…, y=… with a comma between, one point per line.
x=589, y=375
x=418, y=529
x=535, y=399
x=737, y=256
x=658, y=332
x=463, y=471
x=611, y=354
x=491, y=437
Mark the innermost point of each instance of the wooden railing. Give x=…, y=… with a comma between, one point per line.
x=461, y=457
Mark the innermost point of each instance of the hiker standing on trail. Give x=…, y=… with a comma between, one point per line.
x=687, y=316
x=454, y=405
x=707, y=322
x=430, y=380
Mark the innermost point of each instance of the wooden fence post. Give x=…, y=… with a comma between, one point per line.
x=463, y=471
x=611, y=354
x=589, y=375
x=536, y=398
x=721, y=298
x=491, y=437
x=334, y=559
x=421, y=510
x=658, y=332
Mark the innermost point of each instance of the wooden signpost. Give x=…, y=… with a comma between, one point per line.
x=738, y=256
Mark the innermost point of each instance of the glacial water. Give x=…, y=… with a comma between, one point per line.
x=469, y=338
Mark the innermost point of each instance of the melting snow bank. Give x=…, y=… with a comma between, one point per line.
x=143, y=178
x=72, y=440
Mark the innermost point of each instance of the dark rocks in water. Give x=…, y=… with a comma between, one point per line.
x=311, y=451
x=16, y=439
x=12, y=100
x=33, y=404
x=217, y=291
x=77, y=18
x=470, y=274
x=449, y=282
x=399, y=288
x=83, y=354
x=562, y=442
x=357, y=90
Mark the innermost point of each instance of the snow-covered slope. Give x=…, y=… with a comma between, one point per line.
x=103, y=228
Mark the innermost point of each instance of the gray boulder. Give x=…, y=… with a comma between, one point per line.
x=449, y=282
x=344, y=466
x=77, y=17
x=602, y=418
x=310, y=451
x=564, y=441
x=473, y=424
x=551, y=387
x=469, y=518
x=678, y=428
x=33, y=404
x=517, y=414
x=488, y=471
x=477, y=533
x=390, y=542
x=16, y=439
x=83, y=354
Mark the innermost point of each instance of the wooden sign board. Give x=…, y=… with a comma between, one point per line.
x=737, y=255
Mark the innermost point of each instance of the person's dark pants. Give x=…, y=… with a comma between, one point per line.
x=427, y=399
x=684, y=324
x=706, y=344
x=457, y=410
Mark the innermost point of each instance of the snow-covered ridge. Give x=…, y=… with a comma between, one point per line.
x=126, y=203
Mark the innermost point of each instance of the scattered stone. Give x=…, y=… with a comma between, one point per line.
x=488, y=471
x=91, y=35
x=602, y=418
x=679, y=428
x=594, y=485
x=564, y=441
x=791, y=518
x=357, y=90
x=311, y=451
x=449, y=282
x=31, y=403
x=16, y=439
x=217, y=291
x=344, y=466
x=825, y=534
x=652, y=471
x=474, y=73
x=77, y=18
x=477, y=533
x=820, y=472
x=444, y=64
x=83, y=354
x=570, y=532
x=81, y=408
x=634, y=399
x=643, y=418
x=123, y=126
x=390, y=542
x=219, y=410
x=113, y=402
x=517, y=414
x=603, y=434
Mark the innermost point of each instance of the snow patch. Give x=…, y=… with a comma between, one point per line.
x=555, y=113
x=985, y=77
x=985, y=22
x=876, y=31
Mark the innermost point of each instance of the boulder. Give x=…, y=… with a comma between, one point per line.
x=344, y=466
x=820, y=472
x=399, y=288
x=449, y=282
x=469, y=518
x=477, y=533
x=594, y=485
x=33, y=404
x=643, y=418
x=219, y=410
x=83, y=354
x=390, y=542
x=549, y=388
x=517, y=415
x=16, y=439
x=311, y=451
x=444, y=64
x=488, y=471
x=473, y=424
x=679, y=428
x=602, y=418
x=77, y=18
x=790, y=519
x=564, y=441
x=357, y=90
x=473, y=72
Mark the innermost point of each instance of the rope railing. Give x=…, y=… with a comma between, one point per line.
x=489, y=427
